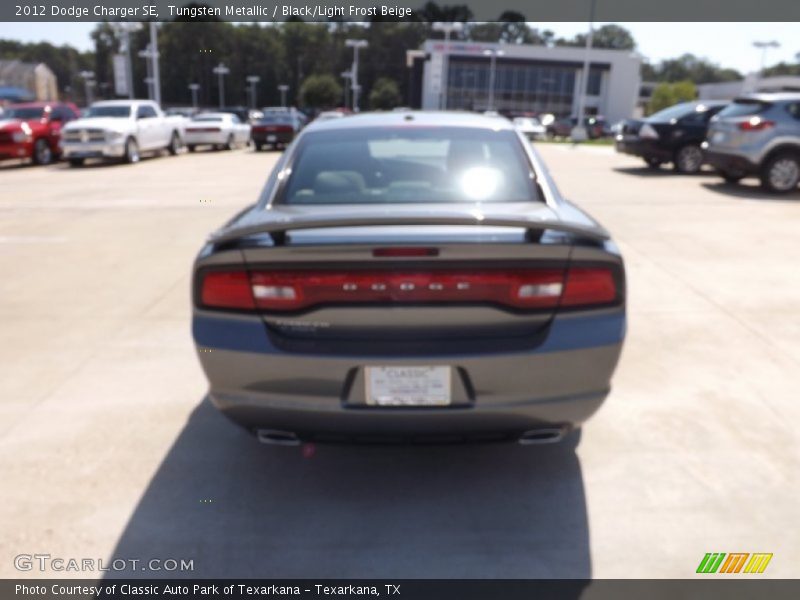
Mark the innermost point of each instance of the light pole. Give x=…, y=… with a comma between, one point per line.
x=194, y=87
x=149, y=80
x=346, y=75
x=283, y=88
x=764, y=46
x=447, y=28
x=124, y=30
x=253, y=81
x=492, y=54
x=88, y=84
x=355, y=45
x=578, y=133
x=156, y=74
x=221, y=70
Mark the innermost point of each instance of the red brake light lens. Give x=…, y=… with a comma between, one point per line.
x=517, y=288
x=756, y=124
x=587, y=286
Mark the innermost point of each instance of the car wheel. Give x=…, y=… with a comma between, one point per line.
x=131, y=151
x=229, y=144
x=191, y=148
x=174, y=143
x=653, y=163
x=781, y=173
x=75, y=162
x=688, y=159
x=42, y=153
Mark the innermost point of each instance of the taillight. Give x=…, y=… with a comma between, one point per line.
x=588, y=286
x=297, y=290
x=227, y=289
x=756, y=124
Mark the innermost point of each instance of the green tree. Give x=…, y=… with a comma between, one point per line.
x=689, y=67
x=321, y=91
x=385, y=94
x=667, y=94
x=611, y=36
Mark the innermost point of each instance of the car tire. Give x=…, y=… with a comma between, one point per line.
x=174, y=144
x=191, y=148
x=229, y=144
x=131, y=155
x=731, y=176
x=781, y=173
x=76, y=162
x=653, y=163
x=688, y=159
x=42, y=153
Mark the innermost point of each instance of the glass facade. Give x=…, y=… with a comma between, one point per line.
x=520, y=86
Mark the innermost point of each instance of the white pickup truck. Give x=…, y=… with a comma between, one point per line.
x=122, y=129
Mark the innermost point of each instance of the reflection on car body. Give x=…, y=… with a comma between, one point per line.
x=409, y=277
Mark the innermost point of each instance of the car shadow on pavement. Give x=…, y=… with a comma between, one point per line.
x=749, y=191
x=663, y=171
x=239, y=509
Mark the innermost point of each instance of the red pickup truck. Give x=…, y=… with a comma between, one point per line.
x=33, y=130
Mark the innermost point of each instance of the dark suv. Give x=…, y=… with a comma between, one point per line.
x=670, y=135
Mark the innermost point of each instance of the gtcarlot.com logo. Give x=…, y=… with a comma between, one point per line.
x=46, y=562
x=735, y=562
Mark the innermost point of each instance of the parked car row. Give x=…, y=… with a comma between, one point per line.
x=126, y=129
x=753, y=136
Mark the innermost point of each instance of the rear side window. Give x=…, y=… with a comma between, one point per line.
x=409, y=165
x=743, y=108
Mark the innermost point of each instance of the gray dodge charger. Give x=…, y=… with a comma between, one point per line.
x=409, y=277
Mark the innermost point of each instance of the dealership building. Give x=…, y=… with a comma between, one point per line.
x=527, y=78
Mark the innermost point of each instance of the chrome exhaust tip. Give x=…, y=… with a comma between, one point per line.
x=277, y=438
x=545, y=435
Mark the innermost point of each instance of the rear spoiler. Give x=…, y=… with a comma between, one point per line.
x=277, y=229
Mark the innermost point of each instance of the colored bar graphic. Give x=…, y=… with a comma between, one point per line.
x=734, y=562
x=758, y=563
x=710, y=562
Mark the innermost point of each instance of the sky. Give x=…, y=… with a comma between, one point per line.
x=728, y=44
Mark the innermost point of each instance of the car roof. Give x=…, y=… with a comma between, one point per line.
x=120, y=102
x=214, y=114
x=33, y=104
x=771, y=96
x=416, y=118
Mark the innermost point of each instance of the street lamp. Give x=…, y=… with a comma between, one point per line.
x=355, y=45
x=221, y=70
x=253, y=81
x=492, y=54
x=447, y=28
x=578, y=133
x=283, y=88
x=88, y=84
x=149, y=80
x=194, y=87
x=764, y=46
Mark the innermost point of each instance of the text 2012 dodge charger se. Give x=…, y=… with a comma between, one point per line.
x=409, y=277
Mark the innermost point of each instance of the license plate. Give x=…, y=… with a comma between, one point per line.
x=271, y=138
x=408, y=386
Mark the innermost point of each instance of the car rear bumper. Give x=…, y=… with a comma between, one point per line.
x=278, y=137
x=93, y=150
x=643, y=148
x=561, y=382
x=200, y=139
x=730, y=163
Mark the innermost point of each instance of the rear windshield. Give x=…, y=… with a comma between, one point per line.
x=109, y=111
x=24, y=114
x=409, y=165
x=673, y=112
x=272, y=119
x=743, y=108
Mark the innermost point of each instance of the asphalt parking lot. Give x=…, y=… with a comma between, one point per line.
x=108, y=448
